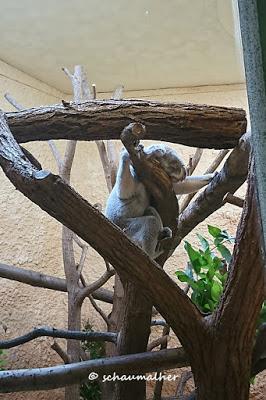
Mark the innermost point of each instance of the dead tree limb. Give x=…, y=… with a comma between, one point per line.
x=62, y=354
x=58, y=333
x=235, y=200
x=38, y=279
x=54, y=377
x=188, y=124
x=51, y=143
x=214, y=165
x=42, y=187
x=229, y=179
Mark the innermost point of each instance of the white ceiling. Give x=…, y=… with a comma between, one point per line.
x=142, y=44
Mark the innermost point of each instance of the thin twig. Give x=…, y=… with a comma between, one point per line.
x=51, y=143
x=99, y=311
x=95, y=285
x=214, y=165
x=58, y=349
x=58, y=333
x=194, y=161
x=82, y=259
x=105, y=163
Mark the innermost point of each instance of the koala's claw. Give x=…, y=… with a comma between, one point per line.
x=164, y=234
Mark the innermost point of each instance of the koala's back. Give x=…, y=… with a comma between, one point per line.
x=118, y=210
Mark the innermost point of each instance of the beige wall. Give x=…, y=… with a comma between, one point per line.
x=32, y=239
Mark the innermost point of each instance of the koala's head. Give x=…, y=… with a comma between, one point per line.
x=169, y=160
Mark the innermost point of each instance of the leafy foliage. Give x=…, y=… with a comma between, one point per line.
x=91, y=390
x=206, y=272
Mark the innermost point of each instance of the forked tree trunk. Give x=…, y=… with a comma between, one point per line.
x=222, y=358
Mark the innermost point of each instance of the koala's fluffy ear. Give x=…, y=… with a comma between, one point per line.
x=169, y=160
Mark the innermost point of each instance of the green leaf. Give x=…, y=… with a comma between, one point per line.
x=226, y=254
x=216, y=291
x=204, y=242
x=183, y=277
x=194, y=257
x=214, y=231
x=211, y=272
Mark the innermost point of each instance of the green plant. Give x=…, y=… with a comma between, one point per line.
x=91, y=390
x=206, y=272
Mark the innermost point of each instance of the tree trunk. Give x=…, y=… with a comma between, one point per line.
x=221, y=361
x=134, y=336
x=73, y=346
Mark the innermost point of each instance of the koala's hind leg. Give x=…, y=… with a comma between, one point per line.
x=148, y=232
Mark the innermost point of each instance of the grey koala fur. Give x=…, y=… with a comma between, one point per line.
x=128, y=205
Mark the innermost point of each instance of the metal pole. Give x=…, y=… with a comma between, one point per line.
x=252, y=15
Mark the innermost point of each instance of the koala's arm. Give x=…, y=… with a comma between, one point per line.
x=126, y=183
x=192, y=184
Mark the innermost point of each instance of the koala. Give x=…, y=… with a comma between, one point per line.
x=175, y=168
x=128, y=206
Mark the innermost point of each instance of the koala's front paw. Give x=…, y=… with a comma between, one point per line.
x=165, y=233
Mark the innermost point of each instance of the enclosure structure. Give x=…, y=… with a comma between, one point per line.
x=70, y=112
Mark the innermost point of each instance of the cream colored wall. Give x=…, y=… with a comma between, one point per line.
x=32, y=239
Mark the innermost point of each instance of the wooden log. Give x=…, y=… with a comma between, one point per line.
x=188, y=124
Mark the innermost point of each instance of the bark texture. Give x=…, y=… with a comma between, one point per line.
x=188, y=124
x=222, y=364
x=219, y=347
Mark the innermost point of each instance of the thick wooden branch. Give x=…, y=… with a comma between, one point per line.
x=54, y=196
x=229, y=179
x=54, y=377
x=244, y=286
x=58, y=333
x=188, y=124
x=38, y=279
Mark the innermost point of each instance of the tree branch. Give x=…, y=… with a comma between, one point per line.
x=86, y=291
x=54, y=196
x=58, y=349
x=229, y=179
x=51, y=143
x=63, y=375
x=191, y=125
x=235, y=200
x=215, y=164
x=245, y=272
x=58, y=333
x=38, y=279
